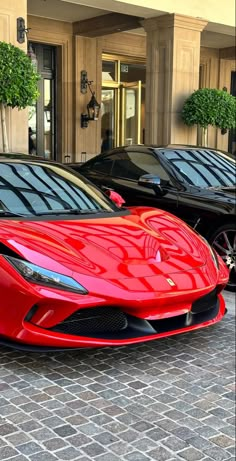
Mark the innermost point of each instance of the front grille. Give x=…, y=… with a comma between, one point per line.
x=206, y=302
x=93, y=321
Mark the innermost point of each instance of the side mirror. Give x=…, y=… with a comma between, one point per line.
x=152, y=182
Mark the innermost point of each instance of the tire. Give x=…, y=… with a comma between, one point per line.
x=223, y=240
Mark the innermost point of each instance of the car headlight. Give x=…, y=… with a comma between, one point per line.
x=41, y=276
x=214, y=256
x=212, y=251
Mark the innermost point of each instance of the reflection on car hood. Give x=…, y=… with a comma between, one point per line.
x=141, y=244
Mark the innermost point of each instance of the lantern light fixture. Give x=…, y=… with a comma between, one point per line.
x=93, y=107
x=21, y=30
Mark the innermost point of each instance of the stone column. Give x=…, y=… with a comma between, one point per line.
x=173, y=60
x=16, y=121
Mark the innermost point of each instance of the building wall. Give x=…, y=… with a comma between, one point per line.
x=76, y=53
x=16, y=121
x=211, y=10
x=216, y=73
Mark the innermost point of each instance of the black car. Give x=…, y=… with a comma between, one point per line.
x=196, y=184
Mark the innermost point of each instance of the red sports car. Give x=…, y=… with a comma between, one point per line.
x=77, y=270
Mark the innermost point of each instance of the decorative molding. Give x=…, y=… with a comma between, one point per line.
x=124, y=44
x=106, y=24
x=4, y=27
x=228, y=53
x=174, y=20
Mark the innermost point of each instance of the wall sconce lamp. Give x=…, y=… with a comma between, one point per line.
x=21, y=30
x=47, y=112
x=93, y=108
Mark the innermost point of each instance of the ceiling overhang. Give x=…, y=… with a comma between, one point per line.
x=106, y=24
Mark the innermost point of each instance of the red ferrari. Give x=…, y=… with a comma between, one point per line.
x=76, y=270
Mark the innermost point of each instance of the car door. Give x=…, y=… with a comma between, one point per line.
x=121, y=171
x=98, y=170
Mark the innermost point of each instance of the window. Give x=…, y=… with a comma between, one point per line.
x=204, y=168
x=132, y=165
x=101, y=166
x=32, y=188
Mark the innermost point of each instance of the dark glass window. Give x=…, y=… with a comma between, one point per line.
x=108, y=71
x=132, y=165
x=132, y=72
x=203, y=167
x=101, y=166
x=33, y=188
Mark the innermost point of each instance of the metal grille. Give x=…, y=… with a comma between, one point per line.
x=205, y=302
x=93, y=321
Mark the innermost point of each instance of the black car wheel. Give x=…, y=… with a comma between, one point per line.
x=224, y=242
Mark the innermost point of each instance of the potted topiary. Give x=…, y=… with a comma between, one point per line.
x=209, y=106
x=18, y=83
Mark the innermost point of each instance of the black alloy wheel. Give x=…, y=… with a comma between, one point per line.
x=224, y=242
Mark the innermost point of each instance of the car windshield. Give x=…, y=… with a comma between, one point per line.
x=32, y=188
x=202, y=167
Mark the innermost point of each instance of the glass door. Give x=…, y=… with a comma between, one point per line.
x=131, y=113
x=108, y=110
x=123, y=101
x=42, y=114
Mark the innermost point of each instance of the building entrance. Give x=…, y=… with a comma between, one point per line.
x=41, y=118
x=123, y=99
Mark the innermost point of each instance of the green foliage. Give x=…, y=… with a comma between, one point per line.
x=18, y=78
x=209, y=106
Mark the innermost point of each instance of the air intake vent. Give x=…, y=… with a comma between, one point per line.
x=93, y=321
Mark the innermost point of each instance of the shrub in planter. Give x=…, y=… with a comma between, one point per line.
x=210, y=106
x=18, y=83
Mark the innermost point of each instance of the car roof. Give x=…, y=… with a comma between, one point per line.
x=5, y=157
x=134, y=147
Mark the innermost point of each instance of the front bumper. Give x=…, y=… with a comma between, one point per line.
x=118, y=328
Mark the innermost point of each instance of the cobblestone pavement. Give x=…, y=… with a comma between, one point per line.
x=170, y=399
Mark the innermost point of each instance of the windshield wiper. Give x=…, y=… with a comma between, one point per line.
x=11, y=213
x=73, y=211
x=222, y=187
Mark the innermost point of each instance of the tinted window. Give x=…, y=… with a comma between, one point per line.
x=36, y=188
x=132, y=165
x=103, y=165
x=203, y=167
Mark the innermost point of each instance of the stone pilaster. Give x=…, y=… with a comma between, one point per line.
x=173, y=60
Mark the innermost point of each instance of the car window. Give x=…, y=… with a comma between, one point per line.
x=36, y=188
x=133, y=164
x=202, y=167
x=103, y=165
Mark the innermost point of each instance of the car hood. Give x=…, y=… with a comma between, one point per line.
x=221, y=194
x=140, y=244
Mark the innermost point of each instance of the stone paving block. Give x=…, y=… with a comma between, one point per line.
x=191, y=454
x=136, y=456
x=160, y=454
x=17, y=438
x=7, y=452
x=55, y=443
x=29, y=448
x=218, y=454
x=166, y=400
x=93, y=449
x=68, y=454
